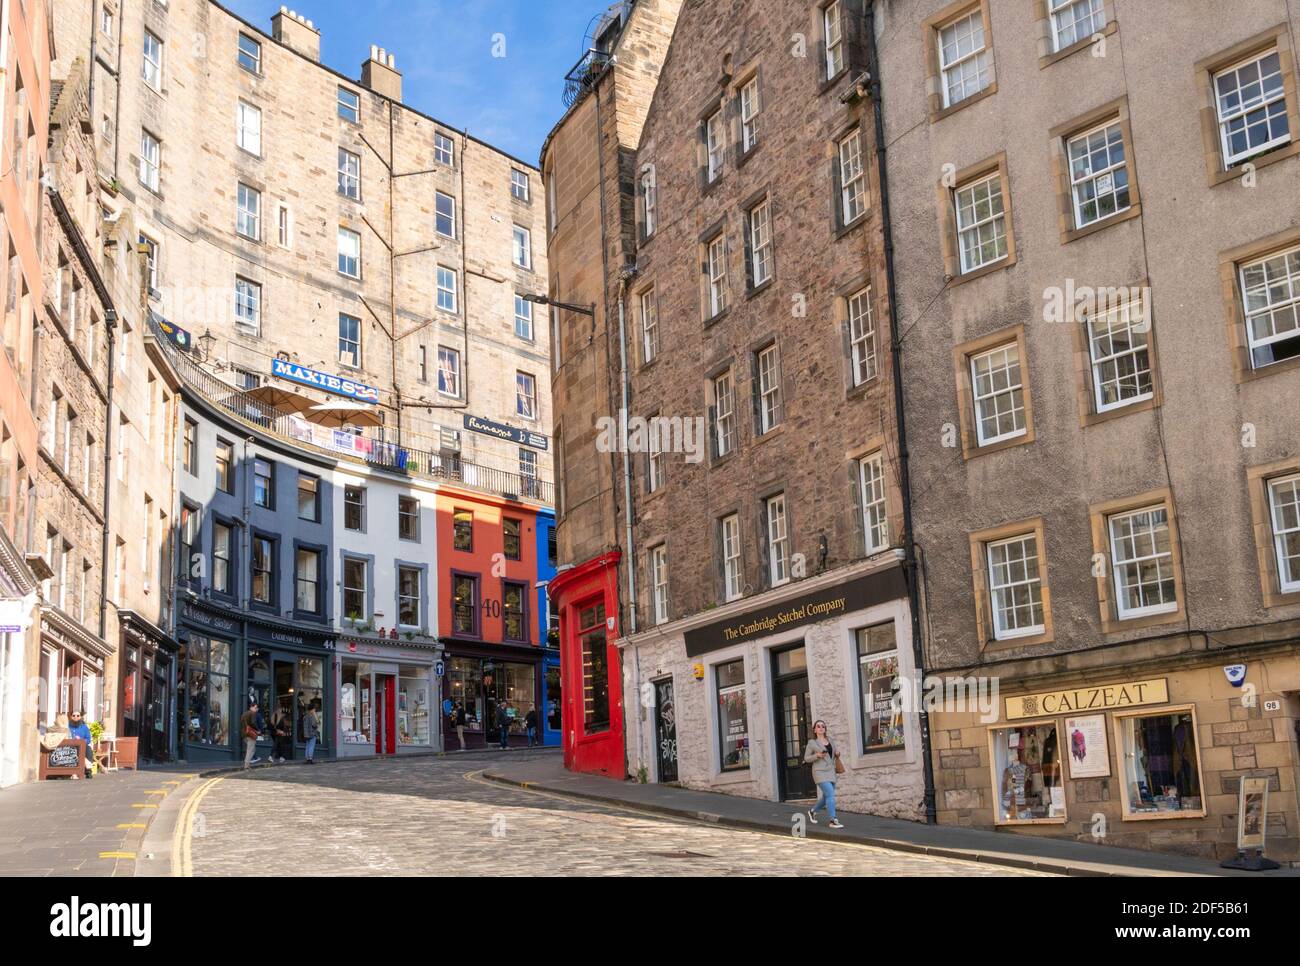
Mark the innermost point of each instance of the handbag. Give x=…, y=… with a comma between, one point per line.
x=839, y=766
x=251, y=732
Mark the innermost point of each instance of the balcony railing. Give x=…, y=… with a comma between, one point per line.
x=582, y=75
x=368, y=446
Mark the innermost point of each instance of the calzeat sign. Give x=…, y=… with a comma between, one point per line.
x=816, y=605
x=1104, y=697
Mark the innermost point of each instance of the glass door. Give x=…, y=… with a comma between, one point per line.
x=666, y=730
x=793, y=704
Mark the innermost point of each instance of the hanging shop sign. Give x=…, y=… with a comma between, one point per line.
x=175, y=334
x=489, y=427
x=1105, y=697
x=818, y=605
x=323, y=380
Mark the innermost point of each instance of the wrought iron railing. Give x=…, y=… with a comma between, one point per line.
x=369, y=446
x=582, y=75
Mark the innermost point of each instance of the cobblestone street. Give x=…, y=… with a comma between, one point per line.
x=436, y=817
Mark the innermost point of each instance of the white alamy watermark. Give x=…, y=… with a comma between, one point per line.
x=653, y=435
x=950, y=694
x=1072, y=302
x=112, y=920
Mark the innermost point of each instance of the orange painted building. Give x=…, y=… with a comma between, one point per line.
x=24, y=134
x=486, y=595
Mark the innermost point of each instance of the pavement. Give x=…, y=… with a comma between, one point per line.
x=1006, y=849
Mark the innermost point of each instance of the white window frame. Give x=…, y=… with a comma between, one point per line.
x=1284, y=503
x=862, y=336
x=440, y=196
x=770, y=402
x=349, y=174
x=448, y=372
x=525, y=395
x=520, y=189
x=349, y=110
x=649, y=201
x=1257, y=299
x=1113, y=133
x=284, y=225
x=1059, y=9
x=853, y=178
x=833, y=31
x=750, y=107
x=524, y=315
x=654, y=456
x=956, y=69
x=1002, y=558
x=552, y=208
x=248, y=128
x=153, y=77
x=447, y=285
x=778, y=540
x=1128, y=322
x=1141, y=559
x=718, y=275
x=243, y=322
x=150, y=160
x=968, y=198
x=255, y=55
x=248, y=211
x=760, y=243
x=875, y=509
x=347, y=235
x=993, y=393
x=523, y=247
x=659, y=583
x=732, y=572
x=649, y=326
x=715, y=137
x=444, y=149
x=349, y=348
x=1225, y=117
x=724, y=413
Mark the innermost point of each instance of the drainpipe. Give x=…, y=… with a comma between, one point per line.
x=627, y=464
x=110, y=320
x=895, y=348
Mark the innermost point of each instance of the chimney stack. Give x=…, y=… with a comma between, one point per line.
x=380, y=74
x=294, y=30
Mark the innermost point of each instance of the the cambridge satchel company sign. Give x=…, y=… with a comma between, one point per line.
x=818, y=605
x=1103, y=697
x=323, y=380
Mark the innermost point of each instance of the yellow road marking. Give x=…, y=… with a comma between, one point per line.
x=182, y=838
x=142, y=805
x=132, y=825
x=117, y=855
x=173, y=783
x=155, y=791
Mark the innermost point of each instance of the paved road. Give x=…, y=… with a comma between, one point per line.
x=433, y=816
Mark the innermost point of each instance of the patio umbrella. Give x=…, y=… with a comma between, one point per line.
x=281, y=399
x=342, y=414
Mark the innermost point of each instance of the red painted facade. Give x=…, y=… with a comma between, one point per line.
x=576, y=592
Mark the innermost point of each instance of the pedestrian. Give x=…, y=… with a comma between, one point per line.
x=825, y=764
x=503, y=722
x=461, y=718
x=248, y=728
x=311, y=731
x=78, y=729
x=530, y=722
x=282, y=729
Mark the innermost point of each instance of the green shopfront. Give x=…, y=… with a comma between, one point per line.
x=227, y=660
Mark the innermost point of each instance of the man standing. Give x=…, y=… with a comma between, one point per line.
x=77, y=728
x=248, y=728
x=503, y=722
x=530, y=721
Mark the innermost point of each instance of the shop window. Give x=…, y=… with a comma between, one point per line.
x=1161, y=766
x=354, y=704
x=309, y=697
x=1027, y=774
x=595, y=668
x=733, y=716
x=206, y=666
x=464, y=686
x=413, y=704
x=882, y=717
x=520, y=689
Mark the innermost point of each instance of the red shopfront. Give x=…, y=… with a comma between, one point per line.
x=586, y=599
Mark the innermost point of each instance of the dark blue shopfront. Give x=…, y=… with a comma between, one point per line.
x=549, y=629
x=228, y=660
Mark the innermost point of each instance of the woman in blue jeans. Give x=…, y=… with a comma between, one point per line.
x=822, y=755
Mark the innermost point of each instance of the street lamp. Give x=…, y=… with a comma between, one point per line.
x=566, y=306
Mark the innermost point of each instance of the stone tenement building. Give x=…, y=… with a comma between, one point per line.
x=1097, y=229
x=293, y=211
x=768, y=586
x=589, y=164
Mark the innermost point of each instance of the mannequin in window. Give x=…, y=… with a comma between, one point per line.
x=1013, y=784
x=1184, y=758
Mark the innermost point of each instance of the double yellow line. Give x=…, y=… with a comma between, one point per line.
x=183, y=836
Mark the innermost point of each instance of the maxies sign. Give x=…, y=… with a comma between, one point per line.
x=323, y=380
x=1103, y=697
x=818, y=605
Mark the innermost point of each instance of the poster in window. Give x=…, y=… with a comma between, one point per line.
x=1085, y=739
x=1251, y=813
x=884, y=715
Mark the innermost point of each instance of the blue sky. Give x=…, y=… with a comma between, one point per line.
x=444, y=51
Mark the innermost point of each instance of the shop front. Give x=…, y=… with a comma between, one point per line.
x=388, y=697
x=483, y=678
x=227, y=661
x=754, y=676
x=71, y=670
x=1151, y=757
x=146, y=688
x=552, y=699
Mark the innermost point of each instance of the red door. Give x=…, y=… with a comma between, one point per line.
x=386, y=715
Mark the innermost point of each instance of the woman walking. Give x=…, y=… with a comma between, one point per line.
x=825, y=761
x=311, y=731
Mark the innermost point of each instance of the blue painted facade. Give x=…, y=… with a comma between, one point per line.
x=548, y=630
